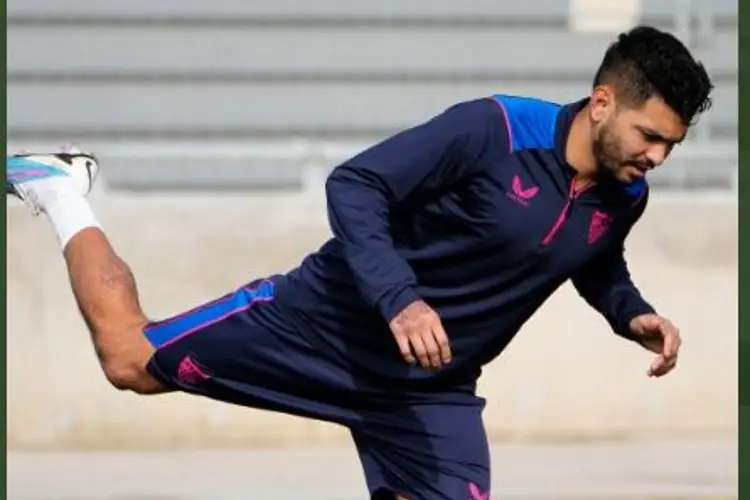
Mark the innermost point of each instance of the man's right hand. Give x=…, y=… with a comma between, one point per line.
x=419, y=332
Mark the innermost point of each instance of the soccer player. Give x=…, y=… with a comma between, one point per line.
x=448, y=236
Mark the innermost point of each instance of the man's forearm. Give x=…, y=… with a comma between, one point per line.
x=358, y=214
x=607, y=287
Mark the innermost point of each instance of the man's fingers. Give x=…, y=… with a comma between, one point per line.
x=444, y=348
x=656, y=366
x=420, y=336
x=671, y=364
x=420, y=350
x=433, y=351
x=405, y=348
x=671, y=336
x=661, y=366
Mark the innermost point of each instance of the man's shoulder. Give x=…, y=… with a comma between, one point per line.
x=531, y=120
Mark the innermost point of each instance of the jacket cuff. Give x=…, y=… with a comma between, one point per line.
x=394, y=302
x=622, y=323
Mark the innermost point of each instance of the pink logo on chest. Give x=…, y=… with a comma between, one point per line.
x=600, y=223
x=520, y=194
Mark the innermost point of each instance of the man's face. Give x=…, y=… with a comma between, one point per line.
x=629, y=141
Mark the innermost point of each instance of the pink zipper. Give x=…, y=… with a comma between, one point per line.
x=572, y=195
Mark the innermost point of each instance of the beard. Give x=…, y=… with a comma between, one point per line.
x=611, y=160
x=608, y=154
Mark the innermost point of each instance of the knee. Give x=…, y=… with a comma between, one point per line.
x=125, y=369
x=125, y=375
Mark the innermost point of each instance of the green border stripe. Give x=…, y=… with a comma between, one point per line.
x=744, y=241
x=3, y=247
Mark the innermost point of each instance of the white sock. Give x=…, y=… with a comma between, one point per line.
x=69, y=216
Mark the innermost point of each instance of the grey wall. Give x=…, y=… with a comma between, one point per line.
x=566, y=376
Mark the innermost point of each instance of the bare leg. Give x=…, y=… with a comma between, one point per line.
x=106, y=294
x=103, y=285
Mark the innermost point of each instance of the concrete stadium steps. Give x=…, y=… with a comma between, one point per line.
x=252, y=110
x=175, y=74
x=153, y=53
x=301, y=165
x=236, y=69
x=271, y=10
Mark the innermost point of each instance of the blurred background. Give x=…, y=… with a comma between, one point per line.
x=216, y=123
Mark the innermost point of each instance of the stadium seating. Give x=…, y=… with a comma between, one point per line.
x=331, y=70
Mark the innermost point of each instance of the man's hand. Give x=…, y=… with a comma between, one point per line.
x=660, y=336
x=418, y=331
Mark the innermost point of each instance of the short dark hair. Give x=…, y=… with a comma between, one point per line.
x=645, y=62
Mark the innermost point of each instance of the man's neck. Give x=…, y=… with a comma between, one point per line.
x=579, y=148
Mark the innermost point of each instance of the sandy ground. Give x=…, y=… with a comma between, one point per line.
x=603, y=471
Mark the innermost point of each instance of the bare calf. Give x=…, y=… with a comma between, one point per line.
x=106, y=294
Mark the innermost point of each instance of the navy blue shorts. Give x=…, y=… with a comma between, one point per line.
x=240, y=349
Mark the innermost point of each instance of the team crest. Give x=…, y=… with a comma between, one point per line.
x=600, y=223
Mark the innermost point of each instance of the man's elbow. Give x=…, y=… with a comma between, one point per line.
x=334, y=182
x=350, y=187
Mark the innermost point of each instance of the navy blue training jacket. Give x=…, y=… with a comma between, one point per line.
x=475, y=213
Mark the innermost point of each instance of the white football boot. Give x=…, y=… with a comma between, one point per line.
x=33, y=177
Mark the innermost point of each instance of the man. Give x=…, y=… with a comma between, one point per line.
x=447, y=237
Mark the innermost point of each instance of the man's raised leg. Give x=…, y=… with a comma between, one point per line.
x=103, y=284
x=106, y=293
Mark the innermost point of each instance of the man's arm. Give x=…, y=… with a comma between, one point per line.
x=420, y=161
x=606, y=285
